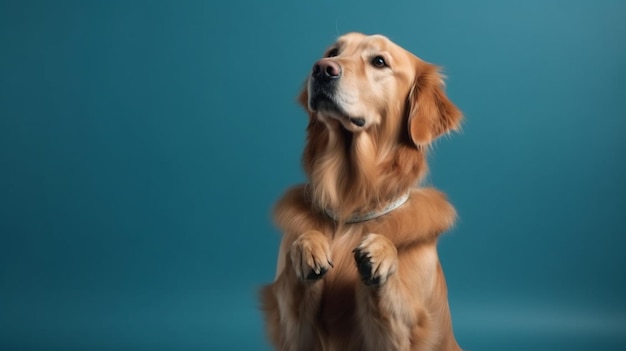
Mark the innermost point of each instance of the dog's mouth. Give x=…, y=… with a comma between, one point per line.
x=324, y=103
x=359, y=122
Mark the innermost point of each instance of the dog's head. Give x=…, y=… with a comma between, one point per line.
x=368, y=82
x=373, y=106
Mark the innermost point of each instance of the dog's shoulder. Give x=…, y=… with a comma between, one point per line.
x=432, y=206
x=426, y=215
x=292, y=202
x=294, y=213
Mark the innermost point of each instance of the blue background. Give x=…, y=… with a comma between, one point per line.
x=143, y=143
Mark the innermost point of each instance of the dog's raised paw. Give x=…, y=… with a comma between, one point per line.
x=310, y=256
x=376, y=259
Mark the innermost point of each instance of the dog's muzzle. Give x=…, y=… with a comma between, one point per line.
x=323, y=84
x=323, y=81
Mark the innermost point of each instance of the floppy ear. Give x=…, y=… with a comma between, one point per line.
x=431, y=113
x=303, y=97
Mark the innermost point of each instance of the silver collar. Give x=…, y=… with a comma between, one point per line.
x=366, y=216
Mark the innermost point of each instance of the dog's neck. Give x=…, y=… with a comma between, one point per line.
x=352, y=174
x=366, y=216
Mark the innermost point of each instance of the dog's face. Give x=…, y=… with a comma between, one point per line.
x=368, y=81
x=357, y=78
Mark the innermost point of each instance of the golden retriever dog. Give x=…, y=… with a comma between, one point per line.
x=358, y=267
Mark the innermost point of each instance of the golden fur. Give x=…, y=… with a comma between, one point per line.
x=378, y=284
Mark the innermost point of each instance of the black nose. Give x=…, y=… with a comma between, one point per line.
x=326, y=69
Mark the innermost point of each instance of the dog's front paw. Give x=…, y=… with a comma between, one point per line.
x=376, y=258
x=310, y=255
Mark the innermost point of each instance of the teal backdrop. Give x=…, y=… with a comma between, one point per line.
x=143, y=144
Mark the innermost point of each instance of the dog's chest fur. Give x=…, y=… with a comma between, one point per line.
x=337, y=309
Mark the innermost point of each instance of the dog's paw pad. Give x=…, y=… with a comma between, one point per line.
x=364, y=265
x=316, y=275
x=310, y=256
x=376, y=259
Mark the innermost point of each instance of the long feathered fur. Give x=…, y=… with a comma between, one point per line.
x=351, y=172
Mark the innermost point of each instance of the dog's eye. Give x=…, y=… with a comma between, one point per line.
x=379, y=62
x=333, y=52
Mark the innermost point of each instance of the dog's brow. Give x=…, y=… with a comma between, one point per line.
x=376, y=43
x=373, y=49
